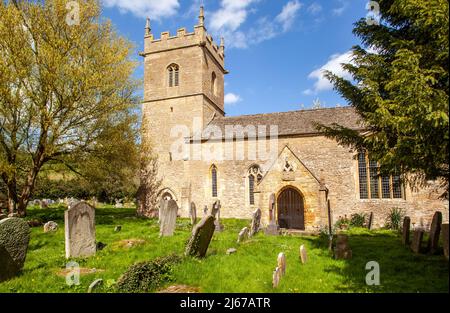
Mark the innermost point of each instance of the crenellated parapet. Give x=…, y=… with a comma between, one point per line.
x=184, y=39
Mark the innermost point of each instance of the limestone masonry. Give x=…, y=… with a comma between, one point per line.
x=205, y=156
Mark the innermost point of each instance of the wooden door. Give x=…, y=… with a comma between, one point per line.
x=290, y=209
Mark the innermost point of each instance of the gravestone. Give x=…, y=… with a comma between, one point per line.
x=256, y=222
x=193, y=213
x=281, y=260
x=342, y=249
x=444, y=234
x=162, y=203
x=118, y=228
x=79, y=224
x=369, y=224
x=276, y=277
x=272, y=228
x=205, y=210
x=435, y=230
x=405, y=230
x=216, y=211
x=168, y=218
x=243, y=234
x=416, y=244
x=303, y=255
x=50, y=226
x=14, y=239
x=231, y=251
x=201, y=237
x=96, y=283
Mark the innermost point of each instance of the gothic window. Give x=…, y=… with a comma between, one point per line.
x=174, y=75
x=214, y=84
x=372, y=185
x=214, y=180
x=254, y=175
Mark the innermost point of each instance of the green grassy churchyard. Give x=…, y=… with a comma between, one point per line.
x=249, y=269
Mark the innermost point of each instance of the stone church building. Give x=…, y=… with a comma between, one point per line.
x=205, y=156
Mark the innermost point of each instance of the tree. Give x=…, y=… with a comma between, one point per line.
x=400, y=89
x=64, y=83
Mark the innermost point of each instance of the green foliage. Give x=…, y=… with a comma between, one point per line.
x=343, y=222
x=358, y=220
x=400, y=88
x=395, y=218
x=147, y=276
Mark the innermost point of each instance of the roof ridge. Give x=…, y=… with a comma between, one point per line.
x=284, y=112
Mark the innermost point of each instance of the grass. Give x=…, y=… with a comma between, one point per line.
x=248, y=270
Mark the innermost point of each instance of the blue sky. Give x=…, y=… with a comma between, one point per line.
x=275, y=49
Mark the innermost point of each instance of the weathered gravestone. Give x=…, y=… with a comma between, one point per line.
x=435, y=230
x=243, y=234
x=162, y=203
x=201, y=237
x=276, y=277
x=50, y=226
x=342, y=249
x=14, y=239
x=79, y=227
x=193, y=213
x=272, y=228
x=444, y=234
x=369, y=224
x=282, y=263
x=256, y=222
x=216, y=211
x=416, y=244
x=168, y=218
x=405, y=230
x=303, y=255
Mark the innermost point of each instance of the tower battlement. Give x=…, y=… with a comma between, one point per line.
x=184, y=39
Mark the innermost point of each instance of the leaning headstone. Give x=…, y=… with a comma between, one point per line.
x=435, y=230
x=405, y=230
x=50, y=226
x=193, y=213
x=243, y=234
x=79, y=226
x=342, y=249
x=369, y=224
x=201, y=237
x=276, y=277
x=303, y=255
x=96, y=283
x=256, y=222
x=14, y=239
x=282, y=263
x=272, y=228
x=444, y=234
x=168, y=218
x=416, y=244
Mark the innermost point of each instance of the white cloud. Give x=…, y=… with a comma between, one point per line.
x=314, y=8
x=333, y=65
x=231, y=15
x=155, y=9
x=338, y=11
x=232, y=99
x=287, y=16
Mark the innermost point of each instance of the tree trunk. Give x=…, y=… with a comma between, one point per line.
x=12, y=195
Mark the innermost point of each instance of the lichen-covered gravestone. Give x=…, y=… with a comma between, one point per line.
x=435, y=230
x=303, y=255
x=282, y=263
x=201, y=237
x=276, y=277
x=193, y=213
x=405, y=230
x=342, y=250
x=168, y=218
x=243, y=234
x=14, y=239
x=79, y=227
x=256, y=222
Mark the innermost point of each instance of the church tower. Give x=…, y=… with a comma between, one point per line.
x=183, y=82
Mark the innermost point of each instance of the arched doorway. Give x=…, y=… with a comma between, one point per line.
x=291, y=209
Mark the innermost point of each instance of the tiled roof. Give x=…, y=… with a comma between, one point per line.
x=290, y=123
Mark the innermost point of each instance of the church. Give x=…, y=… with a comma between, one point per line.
x=245, y=161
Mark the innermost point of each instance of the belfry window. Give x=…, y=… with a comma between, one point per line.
x=372, y=185
x=214, y=181
x=173, y=72
x=254, y=175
